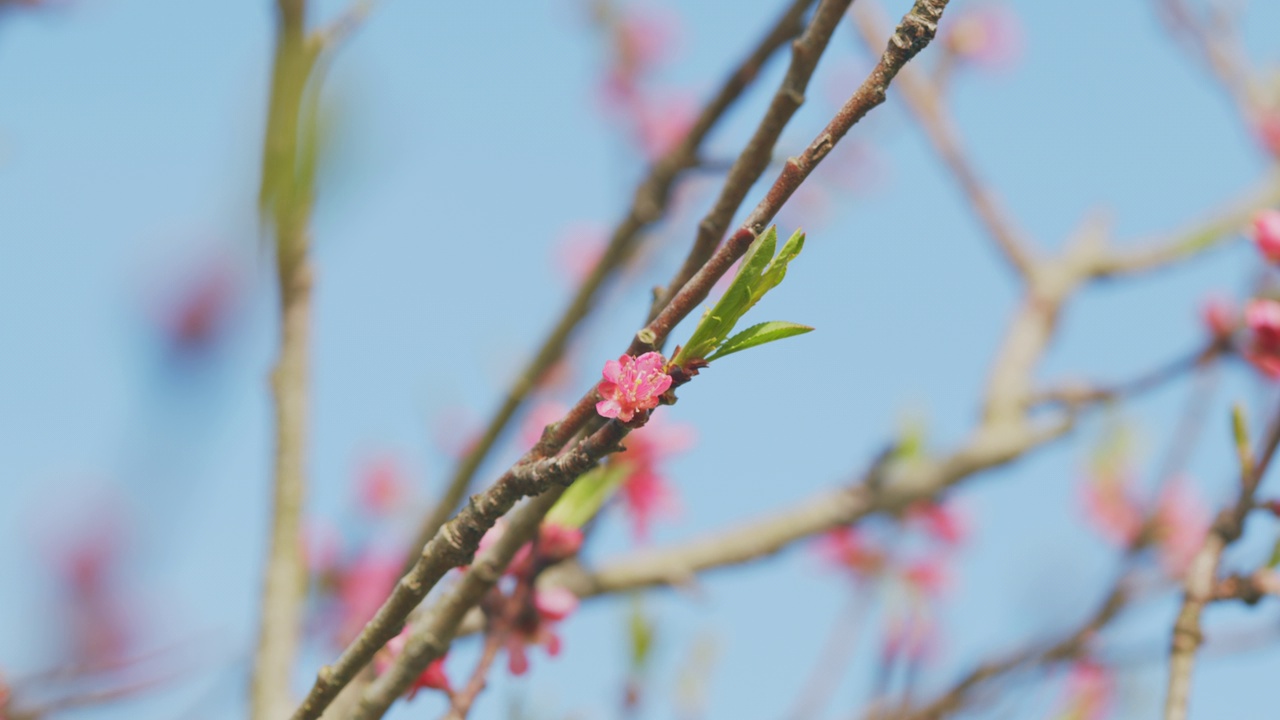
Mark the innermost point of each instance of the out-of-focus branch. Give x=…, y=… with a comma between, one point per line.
x=1201, y=580
x=647, y=207
x=1157, y=254
x=925, y=101
x=1074, y=395
x=960, y=695
x=286, y=198
x=758, y=153
x=1214, y=40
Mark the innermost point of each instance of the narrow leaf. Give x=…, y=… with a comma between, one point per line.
x=717, y=324
x=777, y=269
x=760, y=334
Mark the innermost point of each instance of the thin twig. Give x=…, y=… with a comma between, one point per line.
x=460, y=703
x=925, y=101
x=647, y=207
x=758, y=152
x=1201, y=579
x=456, y=541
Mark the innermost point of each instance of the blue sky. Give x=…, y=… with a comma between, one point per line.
x=467, y=142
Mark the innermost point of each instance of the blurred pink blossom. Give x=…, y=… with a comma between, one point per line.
x=579, y=248
x=551, y=606
x=987, y=35
x=361, y=588
x=556, y=542
x=640, y=39
x=381, y=486
x=662, y=124
x=1181, y=523
x=433, y=677
x=631, y=385
x=1263, y=318
x=1089, y=692
x=99, y=623
x=1268, y=129
x=1219, y=316
x=542, y=415
x=646, y=493
x=848, y=549
x=910, y=636
x=942, y=521
x=1266, y=234
x=927, y=577
x=1111, y=508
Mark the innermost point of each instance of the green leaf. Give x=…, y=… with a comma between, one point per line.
x=765, y=332
x=588, y=494
x=641, y=631
x=778, y=268
x=716, y=325
x=1275, y=556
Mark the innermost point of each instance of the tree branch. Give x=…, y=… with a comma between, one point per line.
x=1201, y=579
x=286, y=198
x=647, y=207
x=924, y=100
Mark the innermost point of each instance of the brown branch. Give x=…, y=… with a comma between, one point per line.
x=453, y=546
x=1201, y=579
x=431, y=634
x=758, y=153
x=456, y=541
x=286, y=197
x=647, y=207
x=924, y=100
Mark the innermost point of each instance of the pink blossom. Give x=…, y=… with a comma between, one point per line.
x=661, y=125
x=1090, y=691
x=987, y=35
x=542, y=415
x=381, y=486
x=1266, y=234
x=555, y=604
x=1219, y=317
x=631, y=385
x=1263, y=318
x=433, y=677
x=361, y=588
x=1268, y=129
x=927, y=577
x=1181, y=522
x=1110, y=507
x=579, y=249
x=551, y=606
x=846, y=548
x=941, y=521
x=557, y=542
x=646, y=493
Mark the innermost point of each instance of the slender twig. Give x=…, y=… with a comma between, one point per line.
x=286, y=198
x=925, y=101
x=1071, y=646
x=1076, y=395
x=460, y=703
x=1201, y=579
x=456, y=541
x=1217, y=47
x=455, y=545
x=647, y=207
x=431, y=634
x=758, y=152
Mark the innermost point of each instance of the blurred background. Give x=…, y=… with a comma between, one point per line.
x=473, y=160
